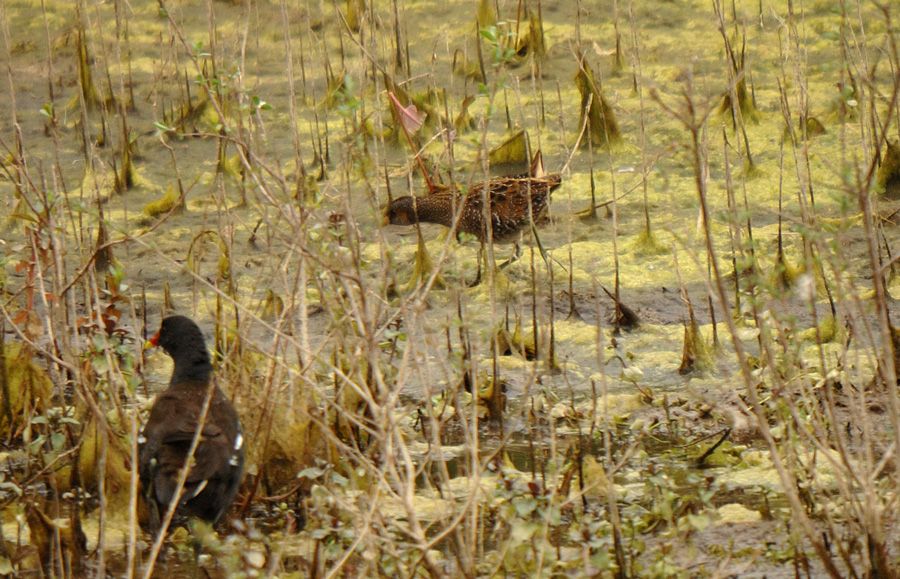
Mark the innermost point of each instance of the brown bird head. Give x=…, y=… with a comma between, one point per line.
x=401, y=211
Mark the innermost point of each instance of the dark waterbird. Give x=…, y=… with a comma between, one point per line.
x=192, y=403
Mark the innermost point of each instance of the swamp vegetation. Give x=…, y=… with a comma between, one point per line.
x=691, y=370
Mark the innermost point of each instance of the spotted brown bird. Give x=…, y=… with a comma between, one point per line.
x=514, y=204
x=175, y=418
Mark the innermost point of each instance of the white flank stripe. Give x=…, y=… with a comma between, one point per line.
x=199, y=488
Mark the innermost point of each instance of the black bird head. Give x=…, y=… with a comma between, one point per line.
x=182, y=339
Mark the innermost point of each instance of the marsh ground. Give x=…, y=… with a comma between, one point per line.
x=235, y=158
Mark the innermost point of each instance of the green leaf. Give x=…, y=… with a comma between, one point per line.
x=522, y=532
x=311, y=473
x=57, y=440
x=525, y=506
x=11, y=487
x=100, y=364
x=36, y=444
x=699, y=522
x=489, y=33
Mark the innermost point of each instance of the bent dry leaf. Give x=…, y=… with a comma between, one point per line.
x=410, y=117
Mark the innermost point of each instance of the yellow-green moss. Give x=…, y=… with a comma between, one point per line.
x=168, y=202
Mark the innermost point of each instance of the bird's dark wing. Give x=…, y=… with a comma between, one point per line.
x=165, y=443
